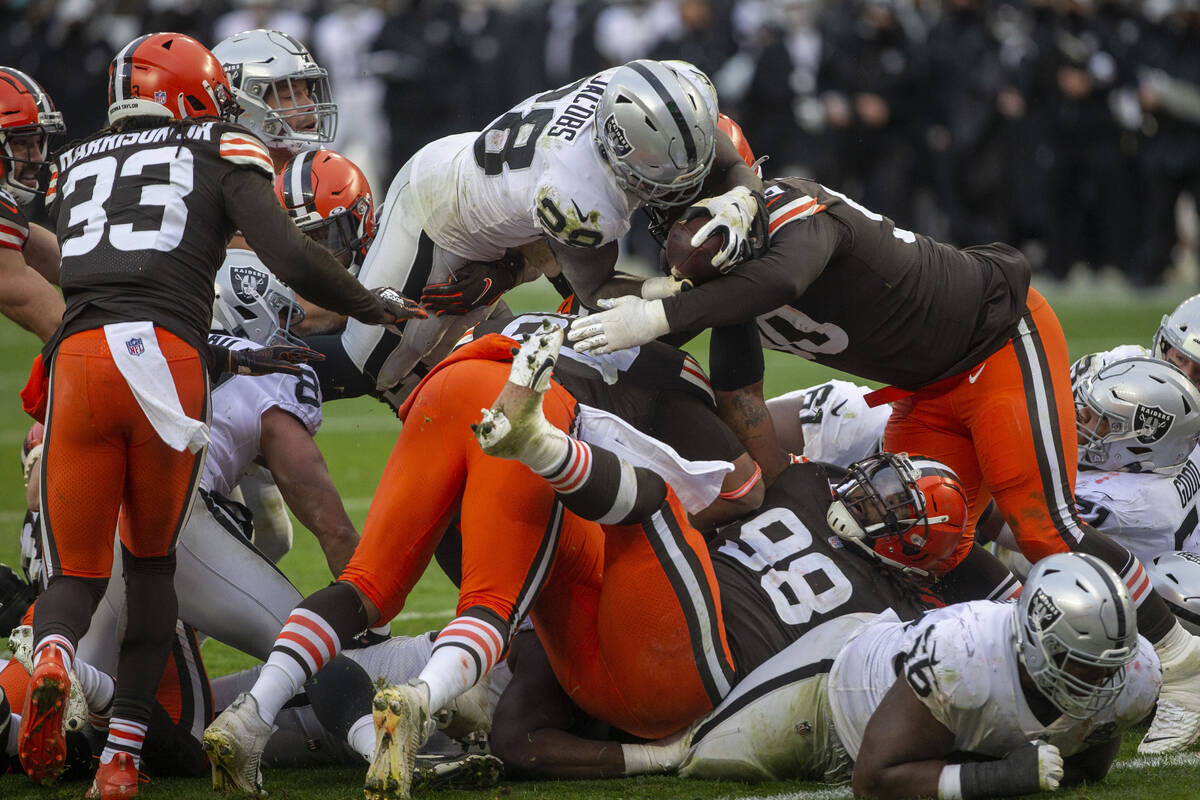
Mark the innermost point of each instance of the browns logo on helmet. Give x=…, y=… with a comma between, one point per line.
x=27, y=119
x=329, y=199
x=168, y=75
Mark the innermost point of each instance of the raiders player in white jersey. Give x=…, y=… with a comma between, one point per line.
x=566, y=168
x=1139, y=475
x=1042, y=689
x=829, y=422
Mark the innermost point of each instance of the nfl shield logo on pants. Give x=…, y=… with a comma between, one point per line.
x=135, y=346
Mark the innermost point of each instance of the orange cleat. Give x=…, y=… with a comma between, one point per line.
x=117, y=779
x=42, y=741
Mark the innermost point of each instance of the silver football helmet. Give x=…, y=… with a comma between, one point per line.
x=657, y=130
x=1137, y=414
x=1076, y=630
x=1180, y=330
x=1176, y=577
x=252, y=303
x=283, y=91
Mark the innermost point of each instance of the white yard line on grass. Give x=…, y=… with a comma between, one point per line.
x=833, y=793
x=405, y=616
x=1169, y=760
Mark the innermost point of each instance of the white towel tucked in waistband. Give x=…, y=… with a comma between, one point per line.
x=696, y=483
x=137, y=355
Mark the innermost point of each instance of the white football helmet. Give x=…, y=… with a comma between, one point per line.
x=1180, y=330
x=1075, y=630
x=1137, y=414
x=252, y=303
x=269, y=71
x=1176, y=577
x=657, y=131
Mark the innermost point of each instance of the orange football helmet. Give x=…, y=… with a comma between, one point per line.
x=168, y=75
x=734, y=132
x=329, y=199
x=25, y=111
x=909, y=513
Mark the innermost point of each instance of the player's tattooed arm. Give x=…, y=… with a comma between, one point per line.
x=745, y=412
x=303, y=480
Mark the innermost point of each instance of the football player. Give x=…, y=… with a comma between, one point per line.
x=567, y=167
x=127, y=402
x=993, y=700
x=28, y=253
x=979, y=368
x=551, y=549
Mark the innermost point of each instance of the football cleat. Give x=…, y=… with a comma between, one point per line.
x=467, y=771
x=402, y=724
x=42, y=741
x=116, y=780
x=1176, y=724
x=234, y=743
x=515, y=424
x=1174, y=728
x=76, y=713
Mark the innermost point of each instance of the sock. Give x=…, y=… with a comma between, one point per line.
x=97, y=687
x=544, y=453
x=65, y=650
x=448, y=673
x=361, y=736
x=596, y=484
x=305, y=644
x=124, y=736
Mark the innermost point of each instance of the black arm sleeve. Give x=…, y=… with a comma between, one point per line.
x=797, y=256
x=297, y=260
x=735, y=357
x=338, y=376
x=1015, y=774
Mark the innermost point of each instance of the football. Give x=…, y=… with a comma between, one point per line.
x=686, y=261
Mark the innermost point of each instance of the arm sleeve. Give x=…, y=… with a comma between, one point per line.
x=298, y=261
x=797, y=256
x=735, y=357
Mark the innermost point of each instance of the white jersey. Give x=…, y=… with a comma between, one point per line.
x=833, y=417
x=535, y=170
x=1150, y=513
x=961, y=661
x=238, y=403
x=1086, y=366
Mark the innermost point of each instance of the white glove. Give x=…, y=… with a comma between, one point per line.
x=628, y=322
x=1050, y=766
x=664, y=287
x=734, y=211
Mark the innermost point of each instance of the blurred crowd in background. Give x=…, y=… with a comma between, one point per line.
x=1068, y=127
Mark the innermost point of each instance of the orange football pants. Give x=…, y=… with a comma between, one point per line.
x=102, y=459
x=605, y=600
x=1007, y=428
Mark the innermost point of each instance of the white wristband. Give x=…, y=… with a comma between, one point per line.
x=949, y=783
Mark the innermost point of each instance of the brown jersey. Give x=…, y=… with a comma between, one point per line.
x=843, y=286
x=143, y=218
x=782, y=571
x=14, y=228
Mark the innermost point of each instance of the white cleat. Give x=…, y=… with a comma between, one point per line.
x=402, y=724
x=235, y=742
x=75, y=716
x=1175, y=728
x=515, y=420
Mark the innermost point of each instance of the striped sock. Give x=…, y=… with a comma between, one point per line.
x=448, y=674
x=572, y=469
x=596, y=484
x=97, y=687
x=306, y=643
x=124, y=736
x=66, y=650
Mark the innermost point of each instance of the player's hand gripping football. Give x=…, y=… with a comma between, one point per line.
x=265, y=360
x=627, y=322
x=475, y=284
x=398, y=307
x=732, y=214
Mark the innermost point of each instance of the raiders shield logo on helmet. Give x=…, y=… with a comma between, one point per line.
x=248, y=283
x=616, y=137
x=1153, y=423
x=1043, y=611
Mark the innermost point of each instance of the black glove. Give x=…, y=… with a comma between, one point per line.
x=265, y=360
x=474, y=284
x=399, y=306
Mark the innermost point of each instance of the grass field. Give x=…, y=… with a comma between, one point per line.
x=356, y=439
